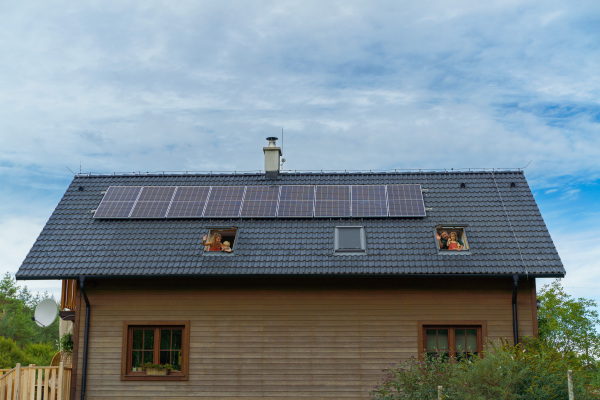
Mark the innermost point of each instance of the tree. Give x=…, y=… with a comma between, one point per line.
x=17, y=306
x=569, y=324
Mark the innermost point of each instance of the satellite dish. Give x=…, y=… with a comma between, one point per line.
x=45, y=312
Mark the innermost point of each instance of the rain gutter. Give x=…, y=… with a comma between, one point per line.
x=85, y=337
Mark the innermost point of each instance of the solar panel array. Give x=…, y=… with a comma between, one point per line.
x=281, y=201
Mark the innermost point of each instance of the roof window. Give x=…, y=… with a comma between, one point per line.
x=451, y=238
x=350, y=239
x=220, y=240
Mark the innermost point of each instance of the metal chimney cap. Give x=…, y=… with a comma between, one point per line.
x=272, y=140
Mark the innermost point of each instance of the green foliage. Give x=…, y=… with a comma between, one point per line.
x=39, y=353
x=17, y=306
x=569, y=324
x=66, y=342
x=531, y=371
x=415, y=380
x=11, y=353
x=21, y=339
x=150, y=365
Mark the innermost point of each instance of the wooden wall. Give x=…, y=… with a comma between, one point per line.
x=286, y=338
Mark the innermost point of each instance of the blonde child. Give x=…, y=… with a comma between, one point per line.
x=453, y=243
x=226, y=246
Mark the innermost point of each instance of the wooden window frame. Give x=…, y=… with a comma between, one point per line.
x=128, y=326
x=481, y=327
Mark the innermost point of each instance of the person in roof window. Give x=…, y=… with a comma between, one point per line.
x=226, y=247
x=214, y=244
x=453, y=243
x=442, y=239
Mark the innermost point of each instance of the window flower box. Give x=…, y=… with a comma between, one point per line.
x=156, y=372
x=157, y=369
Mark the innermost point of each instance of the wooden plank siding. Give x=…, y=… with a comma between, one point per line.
x=285, y=338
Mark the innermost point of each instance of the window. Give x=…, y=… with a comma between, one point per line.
x=217, y=236
x=451, y=238
x=162, y=342
x=350, y=239
x=452, y=342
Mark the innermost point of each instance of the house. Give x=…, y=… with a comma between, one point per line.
x=332, y=277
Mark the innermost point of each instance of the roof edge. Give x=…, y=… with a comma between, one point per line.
x=56, y=277
x=300, y=172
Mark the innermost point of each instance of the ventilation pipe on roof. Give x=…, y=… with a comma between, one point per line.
x=272, y=158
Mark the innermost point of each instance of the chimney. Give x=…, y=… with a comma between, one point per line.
x=272, y=155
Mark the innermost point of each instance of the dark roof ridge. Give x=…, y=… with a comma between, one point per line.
x=303, y=173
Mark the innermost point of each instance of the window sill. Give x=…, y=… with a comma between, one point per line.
x=144, y=377
x=455, y=252
x=217, y=254
x=350, y=253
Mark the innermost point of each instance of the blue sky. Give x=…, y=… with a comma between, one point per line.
x=103, y=86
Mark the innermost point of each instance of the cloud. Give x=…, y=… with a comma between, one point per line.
x=152, y=86
x=570, y=194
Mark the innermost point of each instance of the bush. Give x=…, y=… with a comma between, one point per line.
x=66, y=342
x=530, y=371
x=39, y=353
x=415, y=380
x=11, y=353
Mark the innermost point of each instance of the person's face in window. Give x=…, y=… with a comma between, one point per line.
x=453, y=236
x=444, y=235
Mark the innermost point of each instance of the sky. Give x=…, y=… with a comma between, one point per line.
x=112, y=86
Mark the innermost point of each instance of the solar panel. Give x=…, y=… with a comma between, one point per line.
x=188, y=202
x=224, y=202
x=260, y=201
x=296, y=201
x=153, y=202
x=332, y=201
x=405, y=201
x=117, y=202
x=285, y=201
x=369, y=201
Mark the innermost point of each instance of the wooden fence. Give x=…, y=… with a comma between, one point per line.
x=35, y=383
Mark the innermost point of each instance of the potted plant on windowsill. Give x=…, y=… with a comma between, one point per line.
x=157, y=369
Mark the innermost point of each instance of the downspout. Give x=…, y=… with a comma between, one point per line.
x=85, y=337
x=514, y=310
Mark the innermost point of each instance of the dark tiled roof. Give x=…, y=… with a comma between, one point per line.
x=73, y=243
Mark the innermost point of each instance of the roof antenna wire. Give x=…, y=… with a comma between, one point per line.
x=510, y=225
